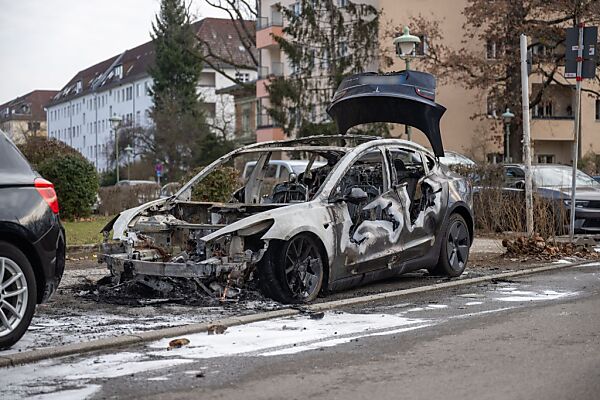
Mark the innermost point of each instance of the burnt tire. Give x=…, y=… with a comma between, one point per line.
x=454, y=250
x=292, y=271
x=18, y=294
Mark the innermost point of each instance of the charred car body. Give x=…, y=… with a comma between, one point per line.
x=375, y=208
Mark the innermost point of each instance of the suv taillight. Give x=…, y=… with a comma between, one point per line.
x=46, y=190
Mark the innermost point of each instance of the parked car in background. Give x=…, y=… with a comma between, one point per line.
x=32, y=242
x=169, y=189
x=452, y=158
x=281, y=169
x=552, y=182
x=376, y=208
x=126, y=182
x=145, y=190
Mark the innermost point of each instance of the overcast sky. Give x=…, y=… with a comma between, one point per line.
x=44, y=43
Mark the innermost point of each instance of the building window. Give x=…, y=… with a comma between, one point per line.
x=147, y=88
x=33, y=126
x=491, y=107
x=210, y=109
x=242, y=76
x=297, y=7
x=119, y=71
x=342, y=48
x=137, y=90
x=597, y=109
x=546, y=159
x=342, y=3
x=422, y=49
x=495, y=158
x=492, y=50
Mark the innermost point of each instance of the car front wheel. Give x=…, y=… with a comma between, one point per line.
x=455, y=246
x=292, y=271
x=17, y=294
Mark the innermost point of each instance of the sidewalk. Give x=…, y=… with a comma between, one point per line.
x=487, y=246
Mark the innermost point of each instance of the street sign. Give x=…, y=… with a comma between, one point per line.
x=159, y=169
x=589, y=52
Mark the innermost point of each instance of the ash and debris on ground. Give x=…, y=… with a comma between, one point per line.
x=538, y=248
x=190, y=292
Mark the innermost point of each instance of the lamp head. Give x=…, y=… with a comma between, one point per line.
x=507, y=116
x=406, y=43
x=115, y=121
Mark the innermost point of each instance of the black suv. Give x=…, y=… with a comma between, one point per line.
x=32, y=242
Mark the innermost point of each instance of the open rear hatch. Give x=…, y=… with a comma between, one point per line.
x=406, y=97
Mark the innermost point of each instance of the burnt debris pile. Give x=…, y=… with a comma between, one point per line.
x=146, y=291
x=538, y=248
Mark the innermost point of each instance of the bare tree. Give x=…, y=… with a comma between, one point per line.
x=494, y=68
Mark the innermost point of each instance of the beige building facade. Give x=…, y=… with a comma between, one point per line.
x=552, y=123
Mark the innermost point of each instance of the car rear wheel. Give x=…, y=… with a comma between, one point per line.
x=17, y=294
x=292, y=271
x=454, y=252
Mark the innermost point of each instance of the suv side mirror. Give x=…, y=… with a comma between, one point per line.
x=356, y=196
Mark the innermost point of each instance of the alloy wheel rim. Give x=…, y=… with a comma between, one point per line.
x=458, y=245
x=13, y=295
x=303, y=267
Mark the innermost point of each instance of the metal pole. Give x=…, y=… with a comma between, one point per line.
x=506, y=141
x=407, y=128
x=117, y=151
x=577, y=132
x=526, y=137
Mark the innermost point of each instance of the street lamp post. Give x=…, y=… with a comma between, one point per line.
x=129, y=151
x=405, y=48
x=115, y=121
x=507, y=117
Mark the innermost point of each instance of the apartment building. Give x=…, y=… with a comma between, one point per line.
x=25, y=115
x=552, y=125
x=79, y=114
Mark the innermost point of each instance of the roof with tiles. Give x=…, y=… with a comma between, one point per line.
x=28, y=107
x=217, y=33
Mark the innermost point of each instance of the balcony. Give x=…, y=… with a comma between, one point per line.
x=267, y=129
x=265, y=121
x=264, y=73
x=552, y=128
x=267, y=29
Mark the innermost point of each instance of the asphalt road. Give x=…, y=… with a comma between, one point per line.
x=531, y=338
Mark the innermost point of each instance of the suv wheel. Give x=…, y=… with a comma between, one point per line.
x=18, y=294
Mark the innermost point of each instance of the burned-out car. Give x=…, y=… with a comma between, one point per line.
x=363, y=208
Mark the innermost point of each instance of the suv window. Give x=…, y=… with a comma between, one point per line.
x=11, y=159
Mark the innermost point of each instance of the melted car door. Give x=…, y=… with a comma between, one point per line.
x=359, y=206
x=418, y=208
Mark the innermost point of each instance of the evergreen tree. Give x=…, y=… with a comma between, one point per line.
x=180, y=125
x=324, y=43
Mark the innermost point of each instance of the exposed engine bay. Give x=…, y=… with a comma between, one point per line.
x=170, y=239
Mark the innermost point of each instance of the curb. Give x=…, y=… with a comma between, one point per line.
x=11, y=360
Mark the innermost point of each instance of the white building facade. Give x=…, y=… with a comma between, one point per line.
x=79, y=114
